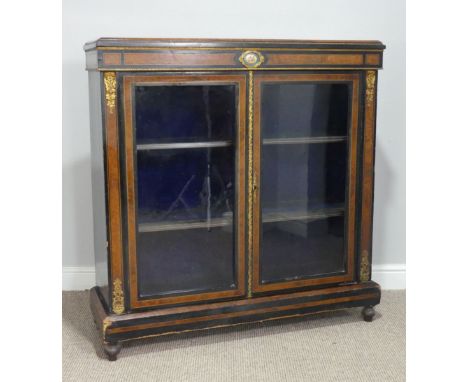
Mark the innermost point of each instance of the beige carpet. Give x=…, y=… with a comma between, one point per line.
x=336, y=346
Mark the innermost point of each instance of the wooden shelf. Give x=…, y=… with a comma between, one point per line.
x=182, y=145
x=270, y=217
x=304, y=140
x=267, y=141
x=273, y=217
x=183, y=225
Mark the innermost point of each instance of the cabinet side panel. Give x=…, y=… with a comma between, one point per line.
x=98, y=184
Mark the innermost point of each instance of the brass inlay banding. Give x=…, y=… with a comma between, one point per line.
x=228, y=68
x=250, y=184
x=369, y=49
x=207, y=318
x=297, y=315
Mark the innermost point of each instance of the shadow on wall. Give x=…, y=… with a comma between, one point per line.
x=77, y=218
x=383, y=192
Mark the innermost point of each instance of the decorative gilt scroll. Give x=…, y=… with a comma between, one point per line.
x=118, y=297
x=251, y=183
x=365, y=266
x=370, y=87
x=111, y=86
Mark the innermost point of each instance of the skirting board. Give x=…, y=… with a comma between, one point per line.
x=389, y=276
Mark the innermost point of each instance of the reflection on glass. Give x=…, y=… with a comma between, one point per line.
x=184, y=113
x=303, y=177
x=304, y=110
x=184, y=261
x=303, y=185
x=296, y=248
x=186, y=188
x=185, y=184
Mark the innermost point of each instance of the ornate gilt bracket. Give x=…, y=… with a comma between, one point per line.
x=110, y=84
x=118, y=305
x=105, y=324
x=365, y=266
x=370, y=87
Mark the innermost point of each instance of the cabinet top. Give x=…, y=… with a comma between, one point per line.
x=107, y=42
x=148, y=54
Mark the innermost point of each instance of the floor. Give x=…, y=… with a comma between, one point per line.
x=336, y=346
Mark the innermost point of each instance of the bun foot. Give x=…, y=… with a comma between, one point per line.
x=112, y=350
x=368, y=313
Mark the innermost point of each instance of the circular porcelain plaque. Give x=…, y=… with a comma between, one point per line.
x=251, y=59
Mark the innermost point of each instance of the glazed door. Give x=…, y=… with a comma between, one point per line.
x=304, y=174
x=185, y=150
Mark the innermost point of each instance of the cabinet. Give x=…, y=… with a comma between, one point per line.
x=232, y=181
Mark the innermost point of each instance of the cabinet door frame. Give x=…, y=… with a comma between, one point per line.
x=128, y=82
x=350, y=212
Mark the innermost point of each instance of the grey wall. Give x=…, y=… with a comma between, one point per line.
x=383, y=20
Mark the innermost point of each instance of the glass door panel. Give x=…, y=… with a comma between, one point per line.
x=185, y=113
x=304, y=110
x=304, y=131
x=187, y=132
x=303, y=195
x=186, y=220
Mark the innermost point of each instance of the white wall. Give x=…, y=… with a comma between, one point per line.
x=85, y=20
